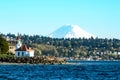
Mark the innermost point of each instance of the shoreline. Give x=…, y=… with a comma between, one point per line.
x=67, y=62
x=92, y=60
x=32, y=60
x=6, y=63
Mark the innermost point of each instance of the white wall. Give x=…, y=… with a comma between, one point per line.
x=31, y=54
x=26, y=54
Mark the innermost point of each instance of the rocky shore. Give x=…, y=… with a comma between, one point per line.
x=33, y=60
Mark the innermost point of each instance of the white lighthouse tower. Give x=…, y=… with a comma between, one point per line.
x=19, y=43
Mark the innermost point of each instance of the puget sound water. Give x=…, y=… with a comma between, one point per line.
x=77, y=70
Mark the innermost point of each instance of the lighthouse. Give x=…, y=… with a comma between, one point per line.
x=22, y=50
x=18, y=42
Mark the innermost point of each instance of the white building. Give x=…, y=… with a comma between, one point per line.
x=23, y=50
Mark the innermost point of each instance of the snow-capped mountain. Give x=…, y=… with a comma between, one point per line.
x=70, y=31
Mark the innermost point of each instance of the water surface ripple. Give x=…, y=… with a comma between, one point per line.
x=77, y=71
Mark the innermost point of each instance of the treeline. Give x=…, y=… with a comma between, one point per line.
x=3, y=45
x=71, y=47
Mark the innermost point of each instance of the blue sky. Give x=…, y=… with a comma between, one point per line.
x=99, y=17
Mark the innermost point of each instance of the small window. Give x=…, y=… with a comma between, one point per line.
x=18, y=53
x=10, y=47
x=22, y=53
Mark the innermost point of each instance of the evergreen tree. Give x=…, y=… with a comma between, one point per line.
x=3, y=45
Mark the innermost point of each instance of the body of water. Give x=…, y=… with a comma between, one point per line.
x=77, y=70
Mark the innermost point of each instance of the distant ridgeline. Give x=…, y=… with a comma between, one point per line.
x=78, y=48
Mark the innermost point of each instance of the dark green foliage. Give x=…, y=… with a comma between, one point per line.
x=7, y=55
x=3, y=45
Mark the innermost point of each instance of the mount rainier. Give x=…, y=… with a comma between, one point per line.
x=70, y=31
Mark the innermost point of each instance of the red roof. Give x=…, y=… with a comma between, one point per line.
x=24, y=48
